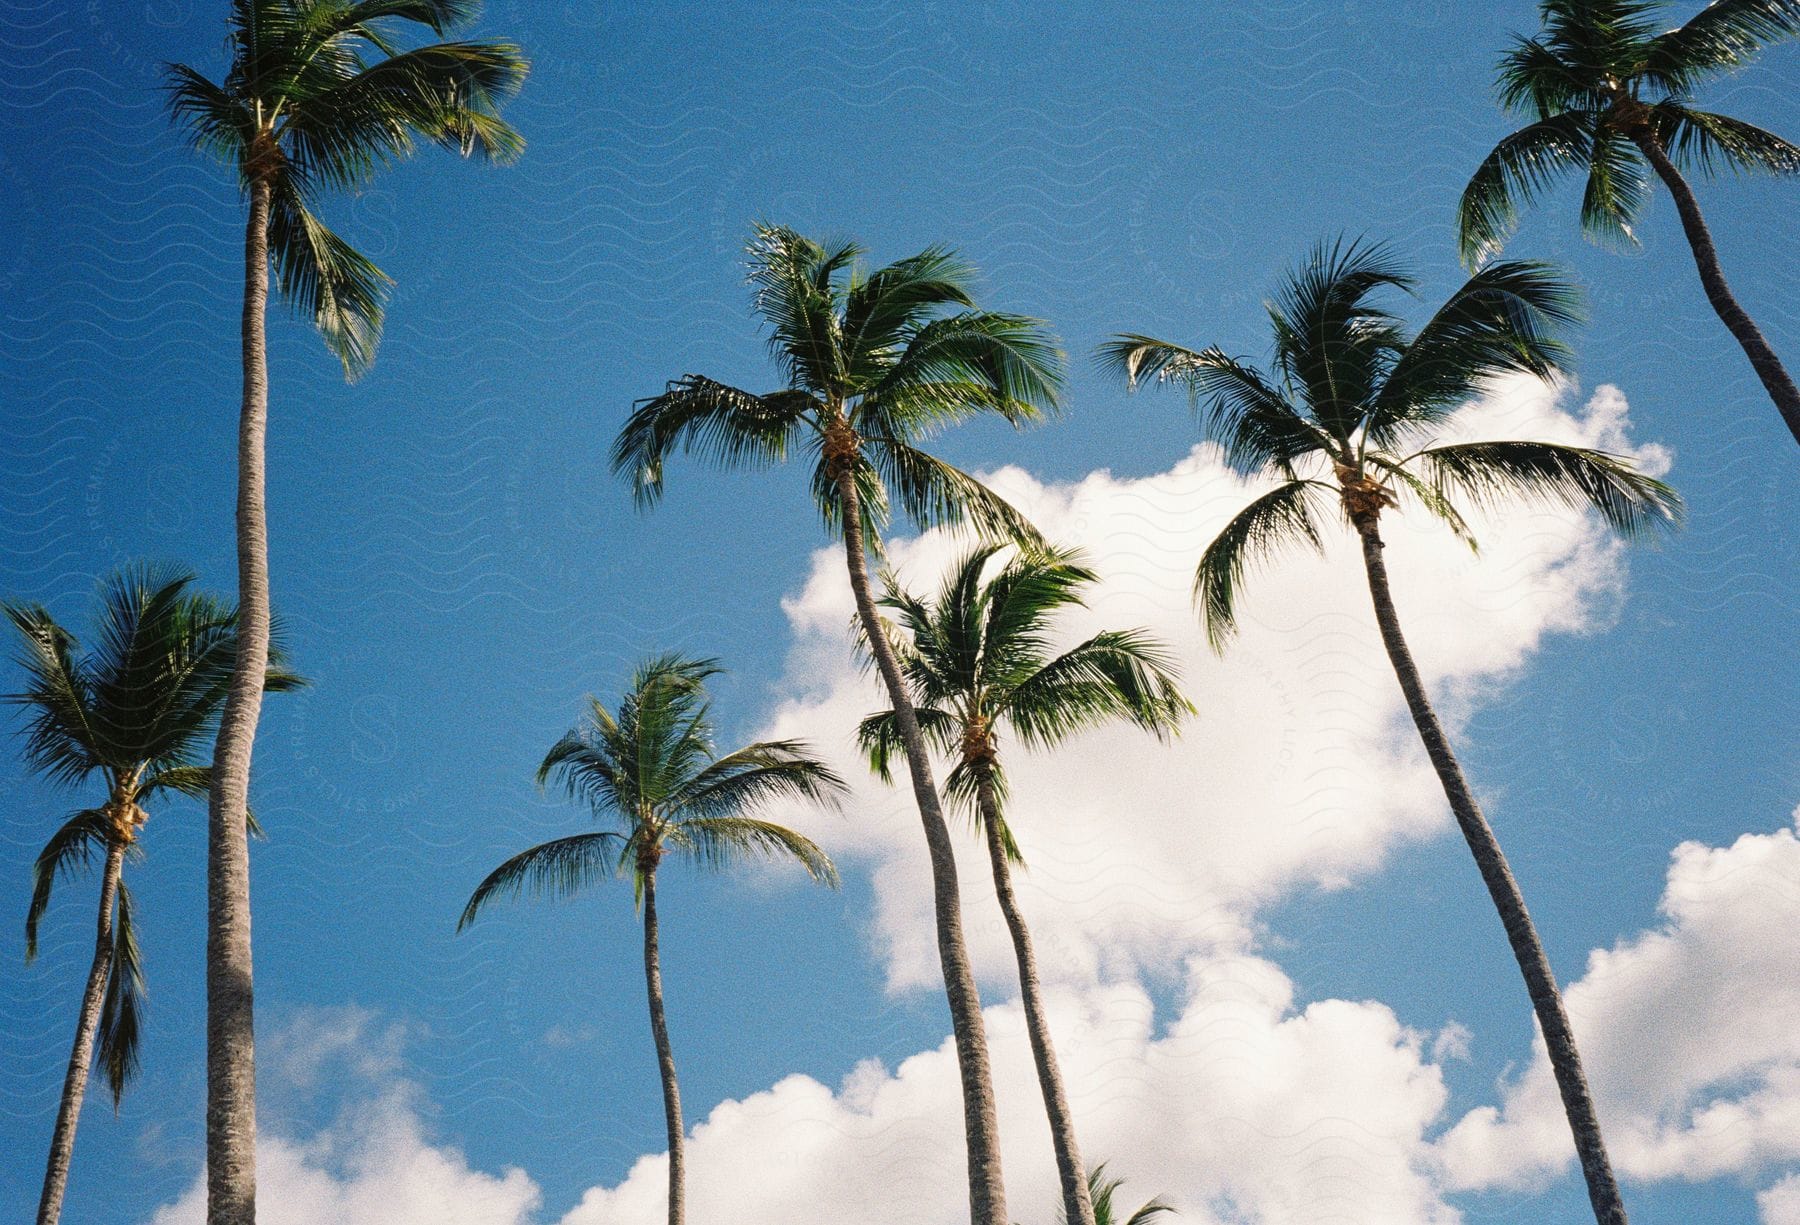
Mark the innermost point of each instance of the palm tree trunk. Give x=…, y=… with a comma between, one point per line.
x=1078, y=1208
x=1540, y=981
x=665, y=1056
x=62, y=1141
x=230, y=1038
x=1768, y=367
x=987, y=1189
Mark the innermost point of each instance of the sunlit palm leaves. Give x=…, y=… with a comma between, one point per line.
x=1350, y=409
x=320, y=95
x=891, y=356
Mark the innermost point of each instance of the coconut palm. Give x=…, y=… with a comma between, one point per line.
x=131, y=713
x=1348, y=415
x=651, y=770
x=319, y=95
x=977, y=657
x=1606, y=90
x=874, y=363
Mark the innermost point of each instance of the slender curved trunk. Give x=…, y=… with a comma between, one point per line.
x=230, y=1038
x=62, y=1141
x=1078, y=1208
x=665, y=1056
x=1768, y=367
x=1540, y=981
x=987, y=1189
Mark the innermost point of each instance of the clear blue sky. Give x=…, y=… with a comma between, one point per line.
x=457, y=568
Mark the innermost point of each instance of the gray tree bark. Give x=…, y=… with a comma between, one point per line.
x=81, y=1057
x=1521, y=934
x=1078, y=1208
x=230, y=1003
x=665, y=1057
x=987, y=1189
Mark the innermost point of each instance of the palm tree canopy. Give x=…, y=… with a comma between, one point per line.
x=1349, y=411
x=874, y=363
x=138, y=709
x=981, y=654
x=320, y=95
x=650, y=768
x=1597, y=76
x=1102, y=1190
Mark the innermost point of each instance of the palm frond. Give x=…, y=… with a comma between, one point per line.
x=122, y=1010
x=68, y=853
x=1493, y=473
x=556, y=869
x=1332, y=343
x=878, y=736
x=1618, y=185
x=755, y=775
x=719, y=842
x=61, y=739
x=797, y=295
x=882, y=311
x=1280, y=517
x=721, y=423
x=1722, y=37
x=1712, y=143
x=934, y=493
x=333, y=284
x=968, y=363
x=1520, y=168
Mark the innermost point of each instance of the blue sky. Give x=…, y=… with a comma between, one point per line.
x=457, y=568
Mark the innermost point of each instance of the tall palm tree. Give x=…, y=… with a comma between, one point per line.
x=133, y=713
x=319, y=95
x=1348, y=415
x=1607, y=90
x=977, y=657
x=875, y=363
x=651, y=770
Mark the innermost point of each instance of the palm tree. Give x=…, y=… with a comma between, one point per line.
x=874, y=363
x=977, y=657
x=1102, y=1189
x=319, y=95
x=1606, y=90
x=651, y=770
x=133, y=713
x=1348, y=415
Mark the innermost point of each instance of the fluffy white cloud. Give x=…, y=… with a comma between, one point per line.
x=1687, y=1031
x=1780, y=1204
x=1301, y=768
x=374, y=1165
x=1150, y=864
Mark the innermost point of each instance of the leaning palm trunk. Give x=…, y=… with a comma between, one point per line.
x=1078, y=1207
x=1768, y=367
x=987, y=1190
x=230, y=1038
x=1540, y=982
x=665, y=1056
x=62, y=1142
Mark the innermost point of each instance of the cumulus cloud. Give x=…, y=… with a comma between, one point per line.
x=1780, y=1204
x=1150, y=865
x=1688, y=1032
x=1301, y=769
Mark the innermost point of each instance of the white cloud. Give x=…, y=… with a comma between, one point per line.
x=1687, y=1030
x=1301, y=768
x=1780, y=1204
x=1150, y=865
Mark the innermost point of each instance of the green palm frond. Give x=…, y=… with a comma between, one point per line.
x=1281, y=517
x=723, y=424
x=957, y=367
x=1103, y=1190
x=60, y=740
x=758, y=774
x=878, y=736
x=720, y=842
x=1617, y=188
x=934, y=493
x=1721, y=38
x=1491, y=473
x=1712, y=143
x=68, y=853
x=1506, y=318
x=1520, y=169
x=337, y=287
x=122, y=1010
x=1115, y=675
x=883, y=311
x=555, y=869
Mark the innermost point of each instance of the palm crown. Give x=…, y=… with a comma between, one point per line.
x=1349, y=411
x=1595, y=79
x=319, y=95
x=981, y=654
x=874, y=363
x=136, y=711
x=651, y=769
